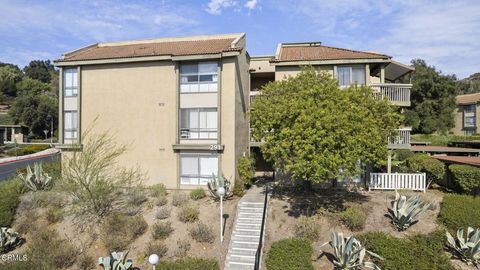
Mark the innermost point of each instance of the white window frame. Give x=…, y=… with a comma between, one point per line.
x=351, y=74
x=199, y=86
x=197, y=179
x=198, y=133
x=70, y=90
x=470, y=114
x=73, y=131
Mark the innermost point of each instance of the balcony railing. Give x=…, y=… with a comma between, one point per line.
x=398, y=94
x=401, y=140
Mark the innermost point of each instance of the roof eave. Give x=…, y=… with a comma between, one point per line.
x=328, y=62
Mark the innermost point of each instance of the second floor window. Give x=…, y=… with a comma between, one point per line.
x=199, y=77
x=198, y=123
x=348, y=75
x=469, y=116
x=70, y=82
x=70, y=125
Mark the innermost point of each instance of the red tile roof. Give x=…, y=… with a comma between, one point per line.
x=468, y=98
x=474, y=161
x=315, y=51
x=173, y=47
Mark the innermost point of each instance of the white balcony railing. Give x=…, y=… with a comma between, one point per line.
x=401, y=139
x=398, y=94
x=394, y=181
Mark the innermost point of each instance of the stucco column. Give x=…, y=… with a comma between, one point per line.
x=367, y=74
x=389, y=161
x=382, y=73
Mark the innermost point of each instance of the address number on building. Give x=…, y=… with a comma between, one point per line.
x=215, y=147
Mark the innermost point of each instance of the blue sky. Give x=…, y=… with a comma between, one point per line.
x=445, y=33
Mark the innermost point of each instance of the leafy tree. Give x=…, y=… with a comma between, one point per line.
x=433, y=100
x=469, y=85
x=32, y=86
x=39, y=70
x=10, y=75
x=313, y=129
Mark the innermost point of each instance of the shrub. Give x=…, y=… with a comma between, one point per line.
x=423, y=252
x=459, y=211
x=157, y=190
x=10, y=191
x=197, y=194
x=163, y=213
x=179, y=198
x=466, y=246
x=27, y=222
x=161, y=200
x=156, y=247
x=246, y=172
x=94, y=180
x=404, y=211
x=189, y=264
x=54, y=214
x=48, y=199
x=202, y=233
x=119, y=230
x=290, y=254
x=161, y=230
x=403, y=154
x=466, y=178
x=433, y=168
x=188, y=213
x=353, y=217
x=307, y=227
x=85, y=262
x=48, y=249
x=183, y=246
x=136, y=196
x=29, y=149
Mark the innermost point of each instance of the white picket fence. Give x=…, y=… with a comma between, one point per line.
x=393, y=181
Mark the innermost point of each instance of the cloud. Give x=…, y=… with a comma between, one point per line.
x=251, y=4
x=215, y=7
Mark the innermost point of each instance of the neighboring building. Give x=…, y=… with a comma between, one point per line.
x=466, y=121
x=181, y=103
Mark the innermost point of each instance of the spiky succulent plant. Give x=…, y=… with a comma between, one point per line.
x=349, y=253
x=404, y=211
x=216, y=182
x=466, y=247
x=9, y=239
x=36, y=180
x=116, y=261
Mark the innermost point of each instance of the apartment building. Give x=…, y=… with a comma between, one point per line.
x=178, y=103
x=466, y=120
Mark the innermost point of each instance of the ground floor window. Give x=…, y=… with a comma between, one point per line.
x=197, y=169
x=70, y=121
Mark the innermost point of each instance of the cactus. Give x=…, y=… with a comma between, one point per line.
x=116, y=261
x=9, y=239
x=404, y=212
x=349, y=253
x=466, y=248
x=38, y=180
x=217, y=182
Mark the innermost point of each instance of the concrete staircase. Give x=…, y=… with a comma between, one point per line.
x=246, y=231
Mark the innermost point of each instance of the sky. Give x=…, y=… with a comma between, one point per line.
x=444, y=33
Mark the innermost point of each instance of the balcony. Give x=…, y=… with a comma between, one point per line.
x=398, y=94
x=401, y=140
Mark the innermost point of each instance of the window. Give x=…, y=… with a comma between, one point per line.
x=350, y=75
x=198, y=123
x=197, y=169
x=70, y=84
x=70, y=128
x=469, y=116
x=199, y=77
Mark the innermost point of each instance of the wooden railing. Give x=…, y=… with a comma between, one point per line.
x=401, y=139
x=393, y=181
x=398, y=94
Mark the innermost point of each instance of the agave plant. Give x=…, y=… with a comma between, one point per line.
x=9, y=239
x=36, y=180
x=466, y=248
x=404, y=211
x=216, y=182
x=116, y=261
x=350, y=254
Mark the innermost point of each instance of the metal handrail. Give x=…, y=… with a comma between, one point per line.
x=260, y=243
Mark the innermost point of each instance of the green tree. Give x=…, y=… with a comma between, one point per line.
x=433, y=100
x=39, y=70
x=469, y=85
x=313, y=129
x=10, y=75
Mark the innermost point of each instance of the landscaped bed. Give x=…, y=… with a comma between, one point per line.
x=316, y=215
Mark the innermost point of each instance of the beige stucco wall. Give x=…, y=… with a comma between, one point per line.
x=458, y=118
x=138, y=106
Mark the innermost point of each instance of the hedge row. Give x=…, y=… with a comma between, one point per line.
x=189, y=264
x=459, y=211
x=434, y=168
x=466, y=178
x=290, y=254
